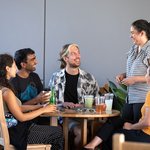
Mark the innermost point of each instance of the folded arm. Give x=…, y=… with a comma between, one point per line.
x=143, y=123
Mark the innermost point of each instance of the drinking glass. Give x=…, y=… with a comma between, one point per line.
x=109, y=102
x=88, y=101
x=100, y=104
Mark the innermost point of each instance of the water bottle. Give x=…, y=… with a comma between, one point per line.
x=53, y=98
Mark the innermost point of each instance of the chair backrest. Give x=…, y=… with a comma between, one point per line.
x=4, y=135
x=119, y=143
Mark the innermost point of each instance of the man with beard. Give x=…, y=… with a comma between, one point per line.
x=71, y=84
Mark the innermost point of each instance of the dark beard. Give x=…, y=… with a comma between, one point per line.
x=74, y=66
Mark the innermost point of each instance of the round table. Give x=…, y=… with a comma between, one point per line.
x=84, y=116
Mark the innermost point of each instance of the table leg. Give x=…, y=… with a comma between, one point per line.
x=65, y=131
x=93, y=122
x=84, y=131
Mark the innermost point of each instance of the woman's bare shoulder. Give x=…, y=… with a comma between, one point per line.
x=6, y=92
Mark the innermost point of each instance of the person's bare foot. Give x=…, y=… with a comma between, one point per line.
x=89, y=147
x=93, y=144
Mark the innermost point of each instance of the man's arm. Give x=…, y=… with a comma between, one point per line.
x=42, y=97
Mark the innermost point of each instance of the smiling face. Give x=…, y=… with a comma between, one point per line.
x=138, y=37
x=73, y=57
x=135, y=35
x=30, y=64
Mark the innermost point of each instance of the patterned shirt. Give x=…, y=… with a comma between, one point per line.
x=87, y=85
x=137, y=66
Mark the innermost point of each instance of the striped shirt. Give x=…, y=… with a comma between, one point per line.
x=137, y=66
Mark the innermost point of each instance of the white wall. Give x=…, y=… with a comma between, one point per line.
x=101, y=28
x=21, y=25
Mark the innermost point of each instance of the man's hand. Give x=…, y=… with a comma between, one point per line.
x=43, y=96
x=69, y=104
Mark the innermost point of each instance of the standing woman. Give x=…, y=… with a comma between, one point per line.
x=21, y=131
x=136, y=68
x=134, y=128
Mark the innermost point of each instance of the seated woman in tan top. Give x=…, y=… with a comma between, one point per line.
x=21, y=133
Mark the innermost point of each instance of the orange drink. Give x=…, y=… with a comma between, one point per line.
x=100, y=107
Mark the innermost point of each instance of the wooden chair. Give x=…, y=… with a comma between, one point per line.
x=4, y=135
x=119, y=143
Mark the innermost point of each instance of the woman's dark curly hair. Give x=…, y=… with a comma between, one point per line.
x=5, y=60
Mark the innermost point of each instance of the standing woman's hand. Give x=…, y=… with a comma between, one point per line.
x=129, y=81
x=120, y=77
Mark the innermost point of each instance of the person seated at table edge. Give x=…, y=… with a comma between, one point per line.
x=27, y=83
x=21, y=130
x=71, y=84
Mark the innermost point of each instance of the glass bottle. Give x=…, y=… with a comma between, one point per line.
x=53, y=98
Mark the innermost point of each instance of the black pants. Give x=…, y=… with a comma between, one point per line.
x=45, y=134
x=109, y=127
x=132, y=112
x=25, y=133
x=130, y=135
x=18, y=135
x=114, y=125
